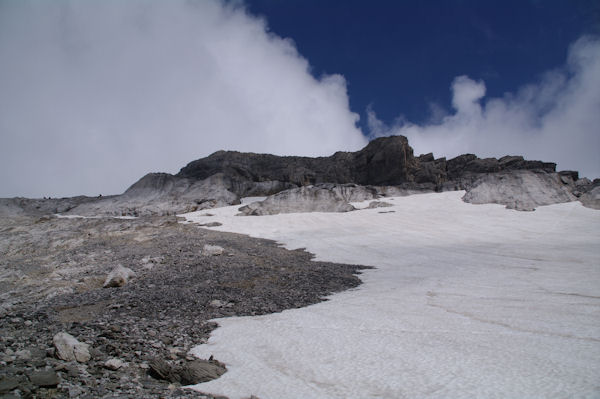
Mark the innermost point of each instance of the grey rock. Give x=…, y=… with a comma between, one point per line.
x=198, y=371
x=44, y=378
x=113, y=364
x=211, y=224
x=212, y=250
x=162, y=370
x=583, y=182
x=8, y=383
x=521, y=190
x=591, y=199
x=24, y=354
x=69, y=348
x=226, y=176
x=405, y=190
x=216, y=303
x=118, y=277
x=350, y=192
x=191, y=372
x=379, y=204
x=302, y=199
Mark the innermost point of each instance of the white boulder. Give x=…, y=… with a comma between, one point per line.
x=68, y=348
x=113, y=364
x=118, y=277
x=212, y=250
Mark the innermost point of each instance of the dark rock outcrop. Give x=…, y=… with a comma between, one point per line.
x=384, y=161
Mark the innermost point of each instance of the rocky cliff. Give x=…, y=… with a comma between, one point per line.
x=386, y=164
x=386, y=161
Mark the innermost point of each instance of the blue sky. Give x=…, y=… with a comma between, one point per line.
x=400, y=56
x=95, y=94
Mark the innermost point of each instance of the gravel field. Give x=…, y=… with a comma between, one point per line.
x=52, y=272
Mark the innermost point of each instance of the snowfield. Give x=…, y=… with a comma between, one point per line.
x=466, y=301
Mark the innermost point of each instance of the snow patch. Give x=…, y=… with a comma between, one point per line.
x=466, y=301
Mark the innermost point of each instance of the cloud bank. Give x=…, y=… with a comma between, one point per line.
x=94, y=94
x=556, y=119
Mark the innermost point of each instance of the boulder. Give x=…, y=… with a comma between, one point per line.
x=44, y=378
x=591, y=199
x=8, y=383
x=113, y=364
x=211, y=224
x=191, y=372
x=212, y=250
x=118, y=277
x=197, y=371
x=522, y=190
x=68, y=348
x=302, y=199
x=379, y=204
x=23, y=354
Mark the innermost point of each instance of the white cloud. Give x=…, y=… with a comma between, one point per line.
x=96, y=94
x=556, y=119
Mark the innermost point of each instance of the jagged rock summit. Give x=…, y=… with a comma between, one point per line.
x=386, y=167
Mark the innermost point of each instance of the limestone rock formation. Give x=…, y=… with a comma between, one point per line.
x=307, y=199
x=521, y=190
x=591, y=198
x=386, y=166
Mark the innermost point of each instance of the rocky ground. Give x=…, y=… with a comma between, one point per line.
x=52, y=272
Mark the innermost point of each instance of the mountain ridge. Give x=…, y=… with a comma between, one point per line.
x=386, y=166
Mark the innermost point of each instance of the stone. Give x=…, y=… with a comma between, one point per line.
x=118, y=277
x=212, y=250
x=113, y=364
x=191, y=372
x=8, y=383
x=161, y=370
x=211, y=224
x=591, y=199
x=584, y=181
x=44, y=378
x=522, y=190
x=199, y=370
x=379, y=204
x=224, y=177
x=302, y=199
x=24, y=354
x=68, y=348
x=216, y=303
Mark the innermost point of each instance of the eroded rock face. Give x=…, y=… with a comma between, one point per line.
x=591, y=198
x=384, y=161
x=387, y=164
x=522, y=190
x=163, y=194
x=305, y=199
x=379, y=204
